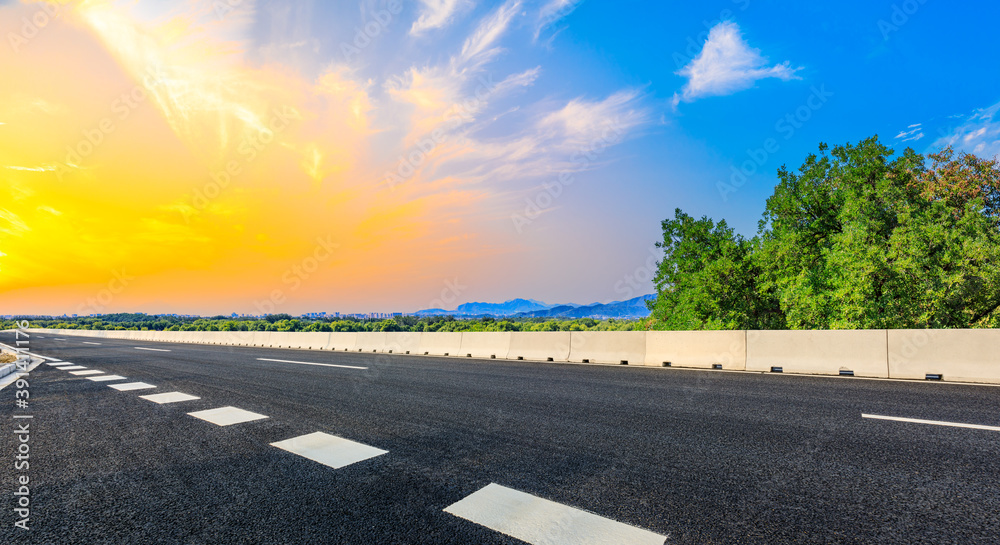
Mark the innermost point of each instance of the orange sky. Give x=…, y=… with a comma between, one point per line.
x=147, y=164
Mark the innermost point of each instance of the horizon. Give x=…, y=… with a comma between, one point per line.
x=332, y=314
x=209, y=158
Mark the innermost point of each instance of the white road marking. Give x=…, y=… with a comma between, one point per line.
x=152, y=349
x=932, y=422
x=71, y=368
x=169, y=397
x=127, y=386
x=105, y=378
x=64, y=340
x=87, y=372
x=537, y=521
x=311, y=363
x=46, y=358
x=227, y=416
x=85, y=342
x=57, y=363
x=329, y=450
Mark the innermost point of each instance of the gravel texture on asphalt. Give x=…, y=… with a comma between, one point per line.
x=704, y=457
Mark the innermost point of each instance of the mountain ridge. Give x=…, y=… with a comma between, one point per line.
x=530, y=308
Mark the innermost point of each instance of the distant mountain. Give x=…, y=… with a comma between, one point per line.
x=528, y=308
x=508, y=308
x=631, y=309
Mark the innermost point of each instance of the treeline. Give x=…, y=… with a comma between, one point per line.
x=854, y=239
x=285, y=322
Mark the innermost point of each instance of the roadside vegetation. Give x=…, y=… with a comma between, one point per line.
x=854, y=239
x=285, y=322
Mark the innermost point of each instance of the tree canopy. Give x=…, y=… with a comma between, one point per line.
x=855, y=238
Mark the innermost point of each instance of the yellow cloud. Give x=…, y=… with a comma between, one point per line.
x=159, y=147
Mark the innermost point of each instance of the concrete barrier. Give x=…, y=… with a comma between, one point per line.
x=485, y=344
x=281, y=339
x=370, y=341
x=342, y=341
x=440, y=344
x=860, y=353
x=239, y=338
x=961, y=355
x=402, y=342
x=306, y=340
x=539, y=346
x=697, y=349
x=608, y=347
x=215, y=337
x=952, y=355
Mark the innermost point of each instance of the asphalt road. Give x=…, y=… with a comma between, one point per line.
x=696, y=456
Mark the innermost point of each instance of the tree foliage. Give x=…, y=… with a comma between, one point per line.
x=854, y=239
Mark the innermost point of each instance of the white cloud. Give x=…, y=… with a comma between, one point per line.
x=437, y=14
x=553, y=11
x=478, y=47
x=979, y=134
x=727, y=64
x=536, y=140
x=912, y=133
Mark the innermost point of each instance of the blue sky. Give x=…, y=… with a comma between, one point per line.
x=515, y=148
x=887, y=65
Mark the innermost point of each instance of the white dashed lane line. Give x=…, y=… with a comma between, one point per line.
x=329, y=450
x=312, y=363
x=105, y=378
x=169, y=397
x=85, y=342
x=931, y=422
x=227, y=416
x=128, y=386
x=152, y=349
x=536, y=520
x=87, y=372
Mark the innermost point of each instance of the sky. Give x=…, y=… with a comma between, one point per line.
x=217, y=156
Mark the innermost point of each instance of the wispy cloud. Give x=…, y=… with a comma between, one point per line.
x=437, y=14
x=978, y=134
x=727, y=64
x=554, y=11
x=912, y=133
x=33, y=169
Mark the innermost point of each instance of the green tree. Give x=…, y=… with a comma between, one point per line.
x=708, y=280
x=858, y=239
